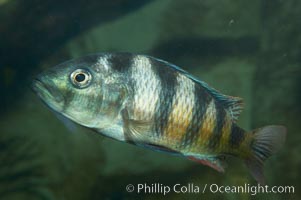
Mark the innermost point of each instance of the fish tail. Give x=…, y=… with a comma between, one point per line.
x=265, y=142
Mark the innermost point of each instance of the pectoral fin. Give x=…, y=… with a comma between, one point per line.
x=139, y=133
x=216, y=163
x=135, y=130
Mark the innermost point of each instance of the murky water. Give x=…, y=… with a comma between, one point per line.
x=242, y=48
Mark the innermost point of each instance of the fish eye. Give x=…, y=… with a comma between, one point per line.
x=81, y=78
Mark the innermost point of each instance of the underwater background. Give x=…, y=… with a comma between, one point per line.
x=250, y=49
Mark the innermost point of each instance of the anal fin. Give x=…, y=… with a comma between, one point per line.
x=214, y=162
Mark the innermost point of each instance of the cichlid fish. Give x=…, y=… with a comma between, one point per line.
x=151, y=103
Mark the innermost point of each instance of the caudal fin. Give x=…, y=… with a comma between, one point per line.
x=266, y=142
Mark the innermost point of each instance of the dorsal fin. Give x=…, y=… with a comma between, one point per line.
x=233, y=105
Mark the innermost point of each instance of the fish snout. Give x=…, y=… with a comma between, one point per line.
x=46, y=90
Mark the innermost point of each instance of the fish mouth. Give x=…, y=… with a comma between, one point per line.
x=49, y=94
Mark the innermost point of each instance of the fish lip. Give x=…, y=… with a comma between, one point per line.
x=37, y=85
x=46, y=92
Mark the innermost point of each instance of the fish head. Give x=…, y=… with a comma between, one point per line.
x=77, y=89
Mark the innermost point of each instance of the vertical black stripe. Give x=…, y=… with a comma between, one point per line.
x=120, y=62
x=214, y=140
x=201, y=103
x=168, y=80
x=237, y=135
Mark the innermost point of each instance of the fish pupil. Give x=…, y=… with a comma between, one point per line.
x=80, y=77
